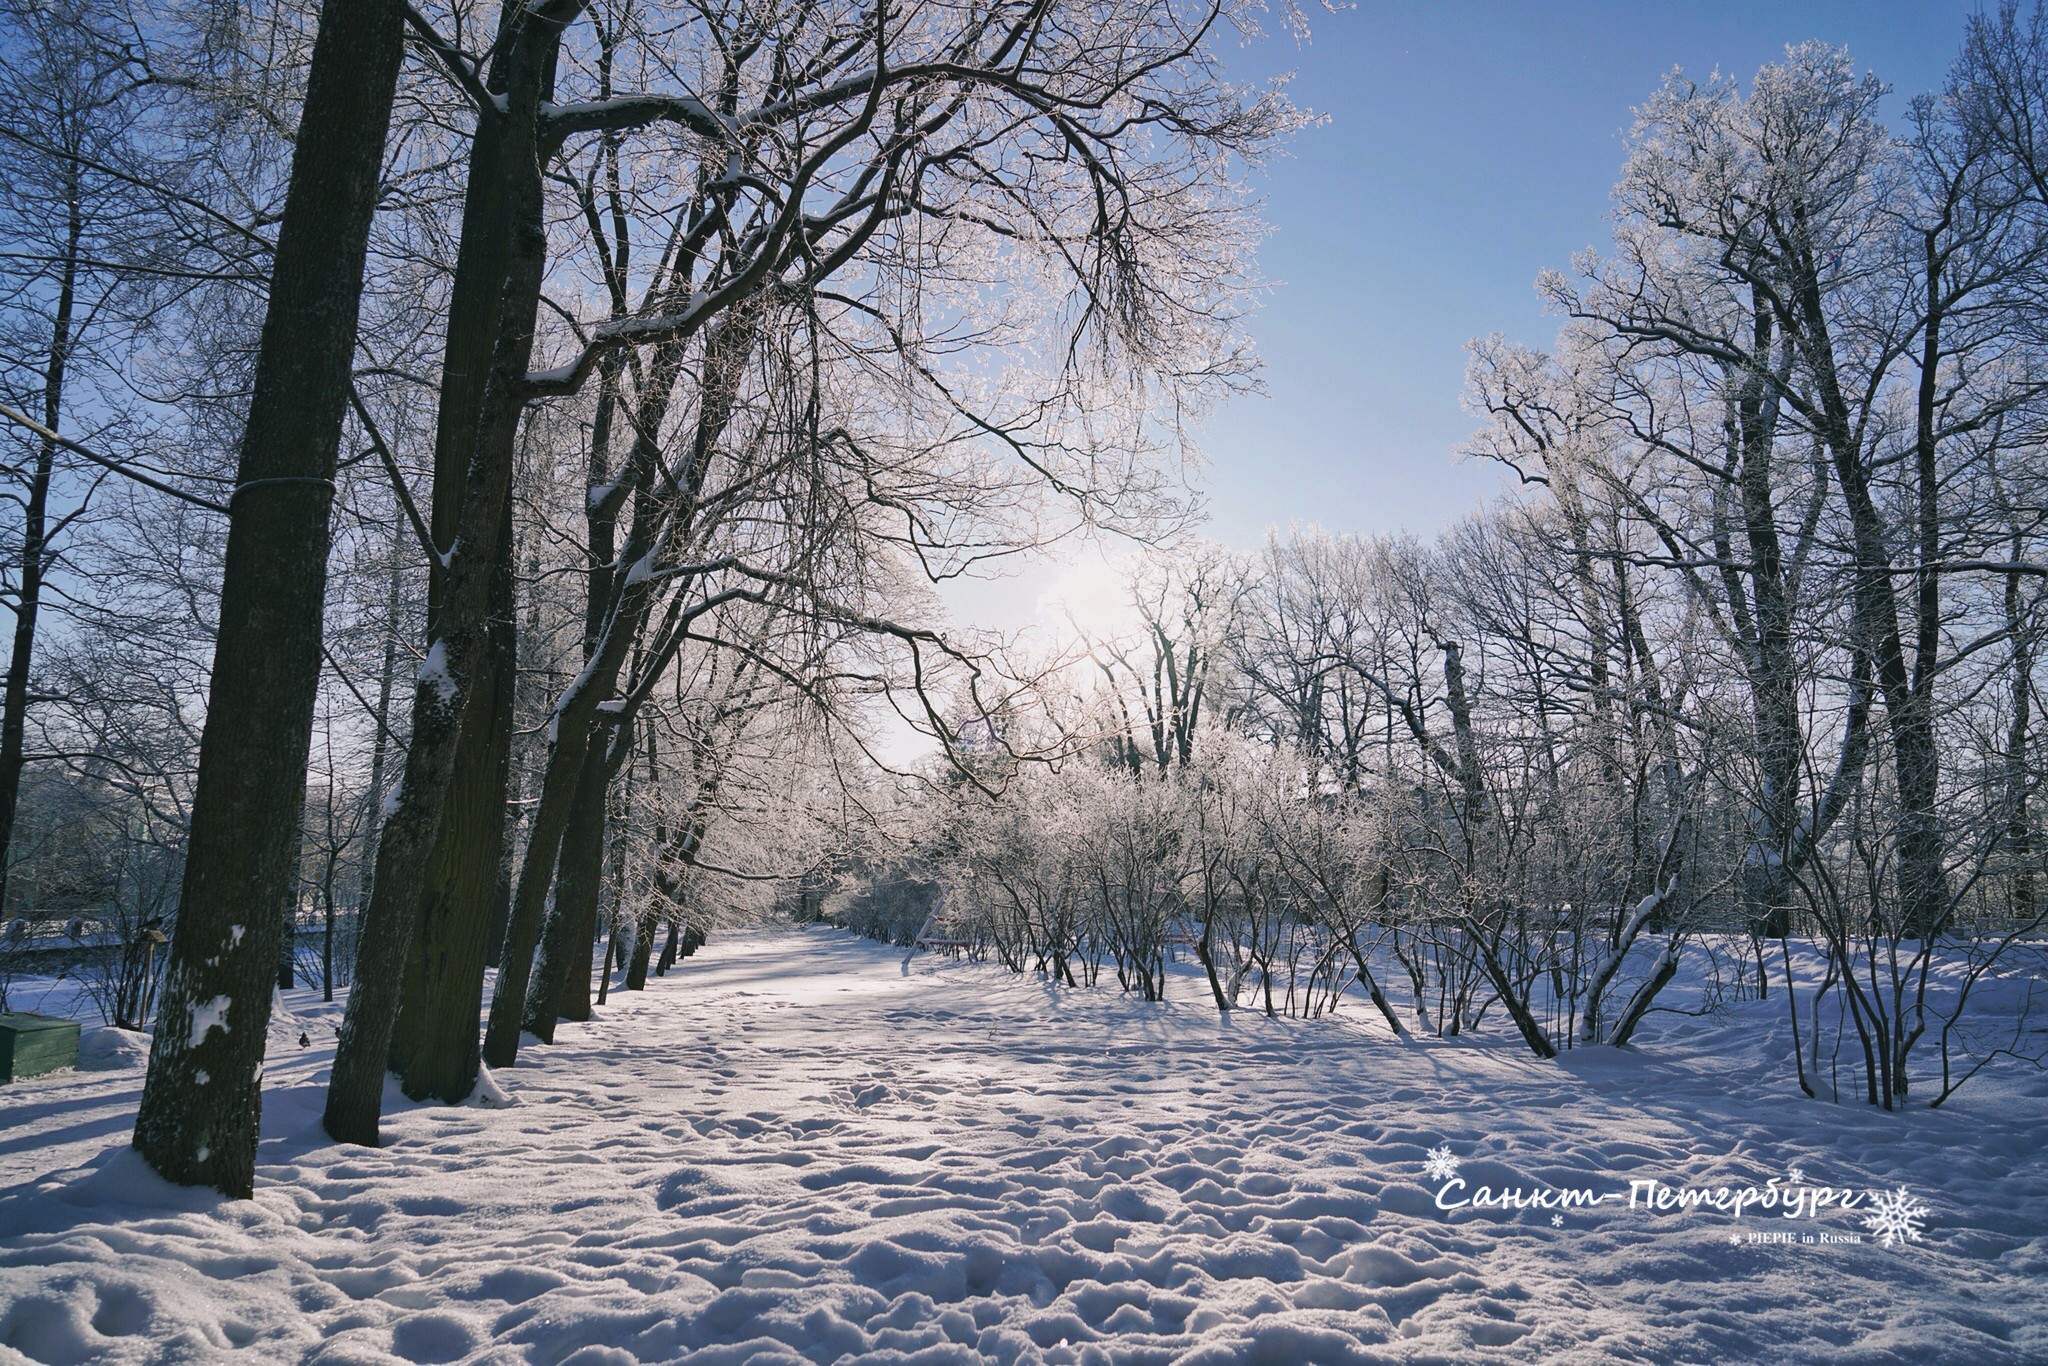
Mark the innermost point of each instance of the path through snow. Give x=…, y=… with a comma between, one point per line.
x=792, y=1149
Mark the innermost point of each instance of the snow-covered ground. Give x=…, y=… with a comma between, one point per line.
x=795, y=1149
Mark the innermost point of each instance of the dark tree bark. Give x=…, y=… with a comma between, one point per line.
x=1908, y=701
x=436, y=1049
x=561, y=975
x=288, y=913
x=435, y=1044
x=611, y=920
x=2019, y=779
x=327, y=952
x=381, y=745
x=1639, y=1004
x=1762, y=610
x=1471, y=781
x=34, y=561
x=458, y=660
x=197, y=1123
x=643, y=951
x=1205, y=952
x=577, y=864
x=522, y=931
x=1372, y=988
x=501, y=899
x=1511, y=998
x=604, y=974
x=629, y=602
x=660, y=896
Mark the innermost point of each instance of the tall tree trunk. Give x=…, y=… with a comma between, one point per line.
x=34, y=532
x=643, y=950
x=612, y=913
x=1593, y=615
x=529, y=895
x=288, y=913
x=561, y=977
x=435, y=1042
x=1776, y=845
x=631, y=598
x=2019, y=827
x=644, y=922
x=1908, y=700
x=501, y=898
x=457, y=659
x=604, y=975
x=668, y=948
x=381, y=745
x=1471, y=780
x=1204, y=950
x=197, y=1123
x=579, y=863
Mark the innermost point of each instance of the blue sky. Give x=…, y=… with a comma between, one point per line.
x=1466, y=147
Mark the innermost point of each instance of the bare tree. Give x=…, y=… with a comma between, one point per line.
x=197, y=1121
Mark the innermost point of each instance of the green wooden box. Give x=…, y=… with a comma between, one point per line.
x=34, y=1044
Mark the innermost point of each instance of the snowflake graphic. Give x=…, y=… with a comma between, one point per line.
x=1441, y=1164
x=1895, y=1217
x=1796, y=1177
x=1557, y=1221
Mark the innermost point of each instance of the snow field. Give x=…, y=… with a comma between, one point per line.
x=792, y=1149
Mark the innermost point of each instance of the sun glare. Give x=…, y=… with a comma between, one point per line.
x=1090, y=597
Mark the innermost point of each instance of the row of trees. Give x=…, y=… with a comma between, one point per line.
x=488, y=465
x=1754, y=655
x=550, y=419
